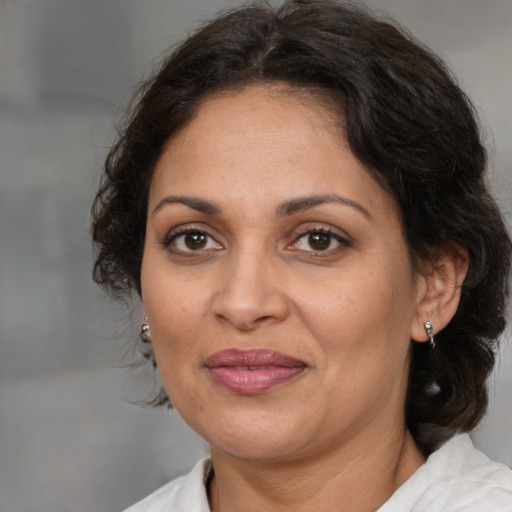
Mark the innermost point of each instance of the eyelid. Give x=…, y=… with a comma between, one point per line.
x=320, y=227
x=185, y=229
x=299, y=232
x=341, y=237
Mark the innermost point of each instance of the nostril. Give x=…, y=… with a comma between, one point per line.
x=244, y=323
x=249, y=306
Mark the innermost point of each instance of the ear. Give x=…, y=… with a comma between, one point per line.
x=439, y=289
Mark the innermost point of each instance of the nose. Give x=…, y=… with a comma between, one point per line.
x=249, y=294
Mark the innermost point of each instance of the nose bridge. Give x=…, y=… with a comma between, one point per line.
x=248, y=290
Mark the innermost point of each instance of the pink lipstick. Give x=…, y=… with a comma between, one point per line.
x=251, y=372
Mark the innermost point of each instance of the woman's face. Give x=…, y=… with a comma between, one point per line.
x=276, y=280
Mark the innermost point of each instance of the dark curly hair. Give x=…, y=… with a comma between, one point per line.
x=406, y=120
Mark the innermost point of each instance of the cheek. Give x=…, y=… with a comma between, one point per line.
x=176, y=338
x=354, y=302
x=175, y=311
x=363, y=318
x=175, y=323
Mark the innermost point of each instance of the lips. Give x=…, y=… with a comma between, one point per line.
x=251, y=372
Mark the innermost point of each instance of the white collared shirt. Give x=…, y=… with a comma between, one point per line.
x=455, y=478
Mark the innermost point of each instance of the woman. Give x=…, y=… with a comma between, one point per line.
x=298, y=199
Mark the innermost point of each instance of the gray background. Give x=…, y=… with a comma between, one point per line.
x=70, y=437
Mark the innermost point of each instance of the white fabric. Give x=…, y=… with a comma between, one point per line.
x=455, y=478
x=185, y=494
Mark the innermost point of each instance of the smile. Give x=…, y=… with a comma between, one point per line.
x=251, y=372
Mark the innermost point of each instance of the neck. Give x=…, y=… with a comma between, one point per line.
x=359, y=478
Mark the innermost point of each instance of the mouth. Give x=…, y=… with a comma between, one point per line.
x=252, y=372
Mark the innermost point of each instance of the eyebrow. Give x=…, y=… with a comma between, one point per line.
x=304, y=203
x=285, y=209
x=195, y=203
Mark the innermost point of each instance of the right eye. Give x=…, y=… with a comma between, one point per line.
x=192, y=240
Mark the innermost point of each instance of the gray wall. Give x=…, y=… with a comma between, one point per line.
x=70, y=437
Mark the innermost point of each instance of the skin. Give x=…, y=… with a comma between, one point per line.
x=335, y=433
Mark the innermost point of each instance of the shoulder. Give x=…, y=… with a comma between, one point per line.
x=457, y=477
x=184, y=494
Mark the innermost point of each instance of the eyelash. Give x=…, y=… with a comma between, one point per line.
x=343, y=241
x=308, y=231
x=174, y=235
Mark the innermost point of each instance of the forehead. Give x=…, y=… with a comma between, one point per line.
x=266, y=103
x=268, y=141
x=239, y=110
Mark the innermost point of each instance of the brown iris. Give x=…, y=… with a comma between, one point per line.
x=319, y=241
x=195, y=240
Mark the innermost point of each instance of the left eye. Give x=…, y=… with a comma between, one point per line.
x=318, y=241
x=193, y=241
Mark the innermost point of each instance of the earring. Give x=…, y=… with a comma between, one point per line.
x=145, y=335
x=429, y=329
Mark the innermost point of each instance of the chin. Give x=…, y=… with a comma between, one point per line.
x=256, y=439
x=258, y=448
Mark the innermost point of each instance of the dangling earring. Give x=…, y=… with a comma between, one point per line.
x=429, y=329
x=145, y=335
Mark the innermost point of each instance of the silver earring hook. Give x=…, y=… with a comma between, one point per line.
x=145, y=335
x=429, y=329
